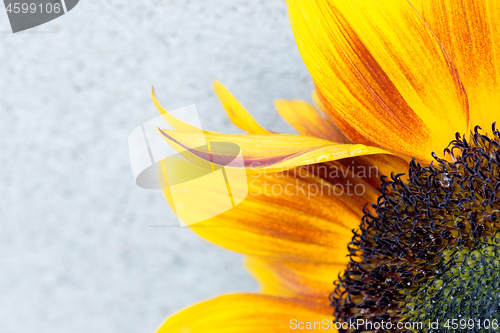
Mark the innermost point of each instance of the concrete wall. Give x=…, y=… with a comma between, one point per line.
x=79, y=250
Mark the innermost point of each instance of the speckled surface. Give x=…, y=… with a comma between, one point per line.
x=79, y=251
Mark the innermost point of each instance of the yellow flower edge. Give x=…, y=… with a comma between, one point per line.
x=396, y=78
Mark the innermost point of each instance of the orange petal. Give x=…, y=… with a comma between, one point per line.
x=276, y=152
x=293, y=215
x=371, y=168
x=295, y=279
x=249, y=313
x=350, y=133
x=380, y=67
x=236, y=112
x=470, y=32
x=306, y=120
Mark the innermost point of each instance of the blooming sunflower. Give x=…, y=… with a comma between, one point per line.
x=396, y=81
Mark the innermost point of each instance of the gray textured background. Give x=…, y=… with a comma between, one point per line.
x=77, y=250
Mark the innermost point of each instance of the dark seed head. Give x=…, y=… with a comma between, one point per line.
x=428, y=249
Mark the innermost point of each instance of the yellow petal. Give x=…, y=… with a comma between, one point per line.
x=302, y=214
x=276, y=152
x=236, y=112
x=381, y=68
x=179, y=125
x=470, y=32
x=248, y=313
x=310, y=280
x=306, y=120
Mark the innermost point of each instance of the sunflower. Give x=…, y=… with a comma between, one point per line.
x=404, y=87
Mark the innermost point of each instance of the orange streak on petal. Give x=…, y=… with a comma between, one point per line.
x=470, y=32
x=295, y=279
x=351, y=134
x=362, y=57
x=306, y=120
x=293, y=215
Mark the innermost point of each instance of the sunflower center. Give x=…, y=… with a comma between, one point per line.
x=427, y=251
x=466, y=285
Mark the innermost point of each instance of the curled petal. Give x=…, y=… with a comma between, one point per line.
x=236, y=112
x=178, y=124
x=273, y=153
